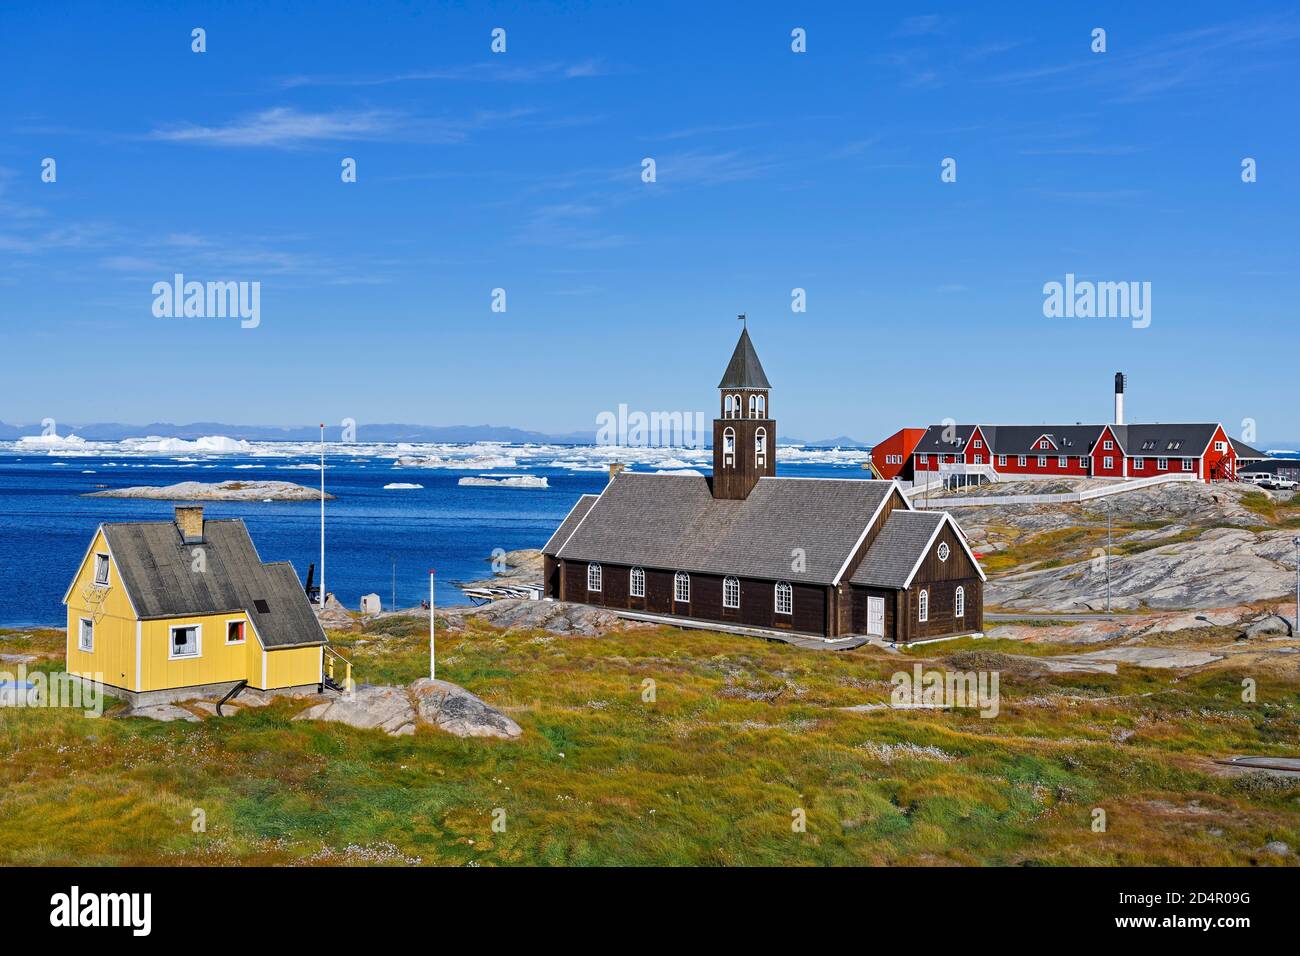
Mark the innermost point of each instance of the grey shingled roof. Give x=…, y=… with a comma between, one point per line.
x=897, y=549
x=1245, y=451
x=933, y=441
x=576, y=514
x=1190, y=438
x=157, y=571
x=1019, y=439
x=673, y=522
x=744, y=370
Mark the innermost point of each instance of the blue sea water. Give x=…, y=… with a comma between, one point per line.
x=46, y=525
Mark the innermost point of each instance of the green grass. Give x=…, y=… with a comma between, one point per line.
x=741, y=732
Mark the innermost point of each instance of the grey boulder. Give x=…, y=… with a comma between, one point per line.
x=457, y=711
x=399, y=710
x=1273, y=625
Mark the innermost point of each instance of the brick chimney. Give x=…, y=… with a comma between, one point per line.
x=189, y=519
x=615, y=467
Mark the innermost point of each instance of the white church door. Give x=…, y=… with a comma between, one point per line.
x=876, y=616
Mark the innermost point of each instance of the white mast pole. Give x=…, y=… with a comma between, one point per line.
x=322, y=515
x=432, y=667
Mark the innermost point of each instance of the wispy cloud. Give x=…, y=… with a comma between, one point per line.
x=692, y=132
x=568, y=225
x=923, y=25
x=288, y=128
x=1214, y=55
x=492, y=71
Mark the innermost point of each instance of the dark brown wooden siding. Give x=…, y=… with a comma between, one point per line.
x=860, y=595
x=941, y=579
x=757, y=598
x=844, y=604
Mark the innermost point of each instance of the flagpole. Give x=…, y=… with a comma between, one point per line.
x=432, y=660
x=322, y=516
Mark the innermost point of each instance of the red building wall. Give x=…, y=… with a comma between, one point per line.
x=900, y=446
x=1220, y=465
x=1100, y=453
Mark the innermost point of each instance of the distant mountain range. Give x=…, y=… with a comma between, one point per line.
x=116, y=431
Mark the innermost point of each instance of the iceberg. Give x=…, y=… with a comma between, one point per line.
x=505, y=481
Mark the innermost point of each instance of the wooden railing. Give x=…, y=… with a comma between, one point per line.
x=333, y=657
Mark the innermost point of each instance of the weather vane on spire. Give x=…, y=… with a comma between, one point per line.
x=743, y=319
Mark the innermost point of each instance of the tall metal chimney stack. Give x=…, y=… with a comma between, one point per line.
x=1119, y=398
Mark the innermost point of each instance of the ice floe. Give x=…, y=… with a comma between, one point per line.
x=505, y=481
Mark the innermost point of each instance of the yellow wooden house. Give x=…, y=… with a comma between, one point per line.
x=172, y=610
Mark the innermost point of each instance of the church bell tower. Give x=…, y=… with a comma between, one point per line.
x=744, y=434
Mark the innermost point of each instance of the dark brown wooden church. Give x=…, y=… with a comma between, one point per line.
x=821, y=556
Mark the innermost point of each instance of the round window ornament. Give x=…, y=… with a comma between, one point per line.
x=943, y=551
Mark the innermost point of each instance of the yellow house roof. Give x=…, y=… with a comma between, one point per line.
x=166, y=576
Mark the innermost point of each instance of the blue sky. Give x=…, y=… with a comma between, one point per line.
x=522, y=170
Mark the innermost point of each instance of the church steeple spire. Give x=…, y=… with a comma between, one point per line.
x=744, y=436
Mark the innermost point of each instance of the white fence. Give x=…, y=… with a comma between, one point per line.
x=964, y=501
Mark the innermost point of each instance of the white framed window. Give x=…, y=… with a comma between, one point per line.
x=1187, y=464
x=636, y=582
x=101, y=570
x=978, y=444
x=762, y=406
x=1108, y=445
x=1042, y=461
x=235, y=632
x=979, y=459
x=959, y=602
x=925, y=459
x=185, y=641
x=682, y=587
x=1220, y=446
x=731, y=592
x=728, y=407
x=1002, y=461
x=1062, y=461
x=728, y=447
x=943, y=551
x=784, y=598
x=923, y=606
x=1083, y=461
x=1162, y=464
x=760, y=447
x=86, y=634
x=1108, y=462
x=1044, y=444
x=593, y=577
x=1020, y=460
x=1139, y=464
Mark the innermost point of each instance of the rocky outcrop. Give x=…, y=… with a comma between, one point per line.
x=1225, y=566
x=221, y=491
x=1166, y=510
x=558, y=617
x=522, y=566
x=163, y=712
x=399, y=710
